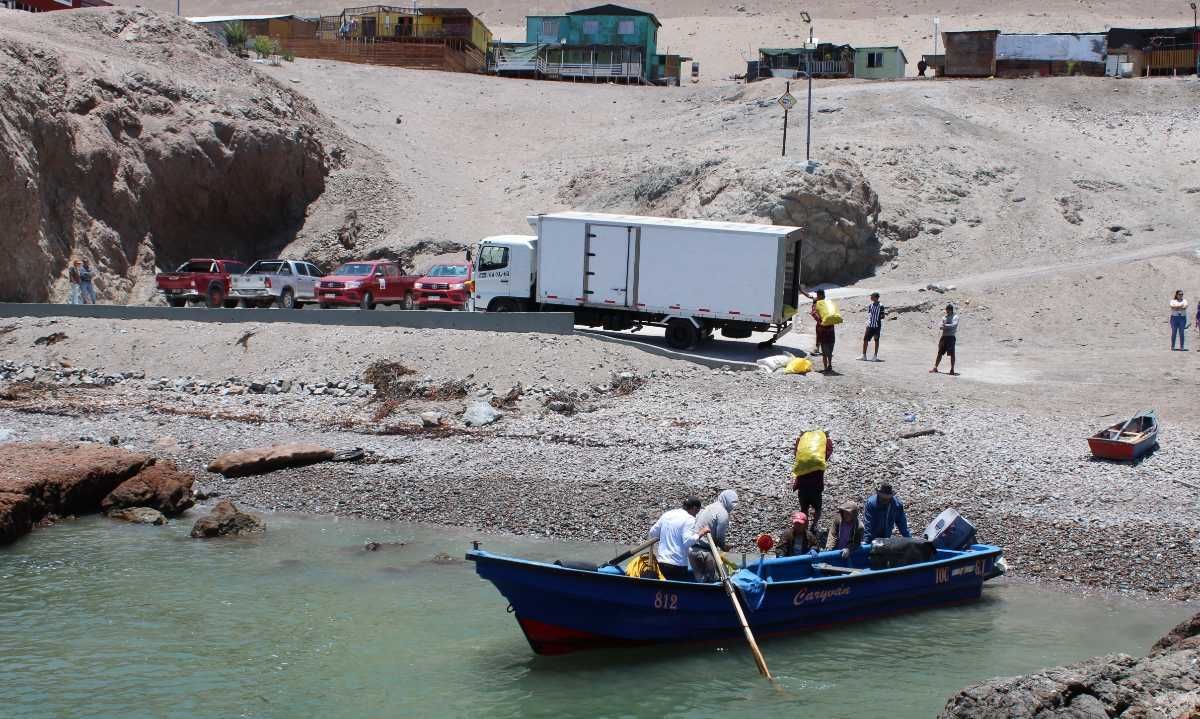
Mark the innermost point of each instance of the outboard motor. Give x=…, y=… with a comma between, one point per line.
x=951, y=531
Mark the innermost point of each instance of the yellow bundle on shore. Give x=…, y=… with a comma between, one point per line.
x=798, y=365
x=828, y=312
x=810, y=453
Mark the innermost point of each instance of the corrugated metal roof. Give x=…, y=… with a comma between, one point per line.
x=1064, y=47
x=231, y=18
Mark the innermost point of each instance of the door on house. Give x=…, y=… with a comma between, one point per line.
x=368, y=28
x=404, y=27
x=606, y=265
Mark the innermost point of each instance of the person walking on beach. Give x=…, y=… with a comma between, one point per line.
x=714, y=520
x=882, y=513
x=86, y=289
x=874, y=325
x=810, y=486
x=1179, y=307
x=73, y=277
x=949, y=338
x=672, y=531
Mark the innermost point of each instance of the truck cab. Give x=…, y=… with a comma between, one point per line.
x=505, y=273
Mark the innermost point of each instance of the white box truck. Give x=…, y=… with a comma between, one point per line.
x=619, y=272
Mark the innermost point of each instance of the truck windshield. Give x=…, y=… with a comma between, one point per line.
x=353, y=269
x=447, y=271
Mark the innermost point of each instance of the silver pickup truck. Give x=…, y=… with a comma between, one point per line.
x=288, y=283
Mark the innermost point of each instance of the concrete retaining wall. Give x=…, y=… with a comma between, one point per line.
x=559, y=323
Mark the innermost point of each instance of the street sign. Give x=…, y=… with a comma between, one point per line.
x=787, y=101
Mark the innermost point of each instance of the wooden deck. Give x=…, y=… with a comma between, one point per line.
x=426, y=55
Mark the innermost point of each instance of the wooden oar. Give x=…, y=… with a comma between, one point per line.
x=737, y=607
x=635, y=551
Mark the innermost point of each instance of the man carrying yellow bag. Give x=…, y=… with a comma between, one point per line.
x=825, y=315
x=812, y=452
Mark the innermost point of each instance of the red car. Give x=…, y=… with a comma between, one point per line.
x=366, y=284
x=200, y=279
x=444, y=285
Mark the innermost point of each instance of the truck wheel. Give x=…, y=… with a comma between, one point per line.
x=287, y=299
x=368, y=302
x=682, y=334
x=176, y=302
x=324, y=305
x=230, y=304
x=503, y=304
x=216, y=296
x=409, y=303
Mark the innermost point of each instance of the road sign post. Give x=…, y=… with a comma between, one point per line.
x=787, y=101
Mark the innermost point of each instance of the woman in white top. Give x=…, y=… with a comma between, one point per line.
x=1178, y=320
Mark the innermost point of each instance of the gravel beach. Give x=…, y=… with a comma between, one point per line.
x=604, y=463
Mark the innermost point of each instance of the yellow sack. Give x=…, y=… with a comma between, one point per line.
x=810, y=453
x=828, y=312
x=798, y=365
x=643, y=565
x=788, y=312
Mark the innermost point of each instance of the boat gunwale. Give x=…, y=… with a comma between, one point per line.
x=991, y=550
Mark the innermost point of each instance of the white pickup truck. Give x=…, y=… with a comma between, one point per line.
x=288, y=283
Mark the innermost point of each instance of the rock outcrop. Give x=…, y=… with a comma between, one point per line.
x=138, y=515
x=160, y=486
x=137, y=140
x=260, y=460
x=834, y=204
x=225, y=518
x=1166, y=683
x=39, y=479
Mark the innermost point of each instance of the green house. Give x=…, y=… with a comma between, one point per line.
x=879, y=63
x=601, y=42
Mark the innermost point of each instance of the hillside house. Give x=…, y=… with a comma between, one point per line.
x=823, y=60
x=969, y=53
x=1153, y=51
x=276, y=26
x=1025, y=54
x=605, y=42
x=879, y=63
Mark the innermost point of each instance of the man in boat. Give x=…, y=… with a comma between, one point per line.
x=714, y=520
x=797, y=539
x=675, y=530
x=883, y=513
x=846, y=530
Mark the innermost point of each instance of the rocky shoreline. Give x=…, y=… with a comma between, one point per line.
x=1165, y=683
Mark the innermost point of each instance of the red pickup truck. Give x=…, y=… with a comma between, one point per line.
x=445, y=285
x=199, y=279
x=366, y=284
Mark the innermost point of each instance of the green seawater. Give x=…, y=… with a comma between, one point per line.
x=103, y=619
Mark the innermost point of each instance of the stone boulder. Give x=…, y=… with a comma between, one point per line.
x=38, y=479
x=225, y=519
x=161, y=486
x=834, y=203
x=261, y=460
x=1165, y=683
x=138, y=515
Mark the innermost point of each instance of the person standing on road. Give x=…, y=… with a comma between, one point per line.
x=672, y=530
x=85, y=284
x=714, y=520
x=1197, y=325
x=74, y=297
x=826, y=337
x=1179, y=308
x=882, y=513
x=874, y=325
x=948, y=340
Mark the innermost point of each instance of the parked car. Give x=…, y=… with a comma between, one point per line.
x=366, y=284
x=444, y=285
x=196, y=280
x=290, y=283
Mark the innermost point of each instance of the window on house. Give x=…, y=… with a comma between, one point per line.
x=591, y=27
x=625, y=27
x=550, y=28
x=874, y=59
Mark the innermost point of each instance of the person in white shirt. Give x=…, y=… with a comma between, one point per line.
x=1179, y=320
x=675, y=531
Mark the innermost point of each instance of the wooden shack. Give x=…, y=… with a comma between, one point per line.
x=1028, y=54
x=970, y=53
x=1154, y=51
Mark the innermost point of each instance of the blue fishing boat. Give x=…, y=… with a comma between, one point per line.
x=563, y=609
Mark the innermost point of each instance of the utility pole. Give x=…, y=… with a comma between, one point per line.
x=936, y=22
x=787, y=90
x=178, y=8
x=808, y=130
x=1195, y=42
